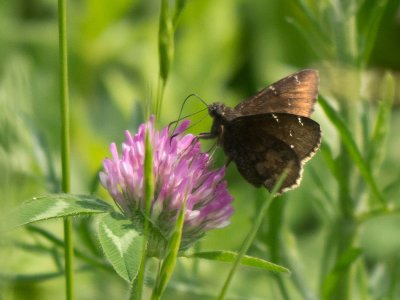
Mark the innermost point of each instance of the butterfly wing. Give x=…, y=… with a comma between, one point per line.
x=303, y=135
x=295, y=94
x=263, y=146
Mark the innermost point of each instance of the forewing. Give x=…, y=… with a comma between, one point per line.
x=260, y=158
x=295, y=94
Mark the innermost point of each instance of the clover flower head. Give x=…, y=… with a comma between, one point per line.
x=180, y=170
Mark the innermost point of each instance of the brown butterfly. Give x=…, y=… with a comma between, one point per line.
x=271, y=131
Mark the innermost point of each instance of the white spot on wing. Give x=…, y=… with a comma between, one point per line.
x=276, y=118
x=273, y=89
x=292, y=146
x=291, y=132
x=297, y=79
x=300, y=121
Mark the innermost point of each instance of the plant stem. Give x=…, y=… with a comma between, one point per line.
x=346, y=234
x=137, y=284
x=160, y=96
x=169, y=262
x=251, y=235
x=65, y=152
x=275, y=220
x=246, y=244
x=69, y=259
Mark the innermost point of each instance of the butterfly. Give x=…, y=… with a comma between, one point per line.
x=271, y=131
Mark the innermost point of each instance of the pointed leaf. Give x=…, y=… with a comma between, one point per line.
x=342, y=265
x=229, y=256
x=382, y=122
x=179, y=6
x=369, y=37
x=121, y=243
x=329, y=159
x=56, y=206
x=351, y=147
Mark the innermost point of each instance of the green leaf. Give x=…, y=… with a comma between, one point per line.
x=392, y=190
x=314, y=35
x=351, y=148
x=179, y=6
x=56, y=206
x=382, y=122
x=369, y=37
x=329, y=159
x=121, y=243
x=252, y=233
x=29, y=278
x=325, y=205
x=229, y=256
x=342, y=266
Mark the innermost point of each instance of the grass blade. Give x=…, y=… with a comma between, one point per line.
x=382, y=122
x=251, y=235
x=329, y=159
x=369, y=40
x=179, y=6
x=342, y=265
x=352, y=148
x=229, y=256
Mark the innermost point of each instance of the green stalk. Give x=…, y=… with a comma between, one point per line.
x=137, y=284
x=251, y=235
x=345, y=227
x=65, y=152
x=275, y=219
x=169, y=262
x=160, y=97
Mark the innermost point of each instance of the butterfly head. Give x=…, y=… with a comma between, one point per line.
x=219, y=112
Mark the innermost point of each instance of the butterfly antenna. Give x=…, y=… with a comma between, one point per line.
x=192, y=125
x=180, y=118
x=196, y=96
x=184, y=117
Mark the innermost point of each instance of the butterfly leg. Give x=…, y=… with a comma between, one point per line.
x=207, y=135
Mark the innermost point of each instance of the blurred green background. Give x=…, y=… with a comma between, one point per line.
x=224, y=51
